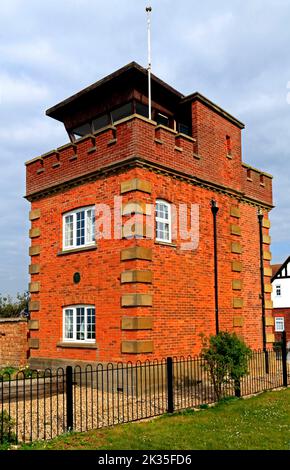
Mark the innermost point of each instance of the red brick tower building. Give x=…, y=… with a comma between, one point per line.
x=99, y=293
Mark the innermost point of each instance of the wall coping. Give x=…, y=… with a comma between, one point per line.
x=249, y=167
x=13, y=320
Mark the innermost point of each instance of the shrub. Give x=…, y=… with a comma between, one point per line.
x=6, y=426
x=277, y=346
x=226, y=358
x=7, y=372
x=14, y=308
x=25, y=373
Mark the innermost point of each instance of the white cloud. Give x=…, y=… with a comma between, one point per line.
x=203, y=34
x=32, y=132
x=39, y=51
x=21, y=90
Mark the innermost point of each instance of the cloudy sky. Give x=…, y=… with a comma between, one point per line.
x=234, y=52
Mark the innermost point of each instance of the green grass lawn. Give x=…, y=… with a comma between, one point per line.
x=261, y=422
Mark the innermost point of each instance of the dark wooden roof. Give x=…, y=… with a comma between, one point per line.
x=128, y=77
x=129, y=82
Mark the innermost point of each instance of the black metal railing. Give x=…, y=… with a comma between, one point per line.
x=51, y=402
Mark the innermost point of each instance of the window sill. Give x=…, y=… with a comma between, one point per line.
x=63, y=344
x=77, y=250
x=173, y=245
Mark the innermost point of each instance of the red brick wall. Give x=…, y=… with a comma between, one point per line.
x=13, y=342
x=210, y=131
x=183, y=285
x=285, y=313
x=183, y=281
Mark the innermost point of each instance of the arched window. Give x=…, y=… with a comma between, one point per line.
x=163, y=221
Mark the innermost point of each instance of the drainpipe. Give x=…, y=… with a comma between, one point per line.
x=260, y=219
x=215, y=209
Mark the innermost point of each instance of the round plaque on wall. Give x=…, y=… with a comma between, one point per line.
x=76, y=278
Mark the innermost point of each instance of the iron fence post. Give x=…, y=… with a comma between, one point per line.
x=170, y=401
x=69, y=398
x=284, y=359
x=238, y=388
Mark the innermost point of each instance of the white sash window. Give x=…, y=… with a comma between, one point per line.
x=79, y=228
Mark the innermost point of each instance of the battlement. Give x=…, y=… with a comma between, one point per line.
x=137, y=136
x=257, y=183
x=105, y=147
x=72, y=160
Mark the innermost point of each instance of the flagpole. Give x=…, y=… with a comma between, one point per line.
x=148, y=10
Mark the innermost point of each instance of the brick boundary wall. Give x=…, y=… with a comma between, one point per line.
x=13, y=342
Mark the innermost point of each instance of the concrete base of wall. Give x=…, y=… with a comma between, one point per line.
x=41, y=363
x=131, y=379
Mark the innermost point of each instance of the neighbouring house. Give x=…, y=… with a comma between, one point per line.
x=281, y=298
x=145, y=232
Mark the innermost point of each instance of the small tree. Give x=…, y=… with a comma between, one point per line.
x=10, y=307
x=226, y=358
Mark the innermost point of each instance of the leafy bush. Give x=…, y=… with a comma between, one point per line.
x=226, y=358
x=13, y=308
x=10, y=373
x=6, y=426
x=204, y=406
x=7, y=372
x=26, y=373
x=277, y=346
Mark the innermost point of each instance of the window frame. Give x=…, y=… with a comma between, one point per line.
x=279, y=320
x=159, y=117
x=74, y=213
x=122, y=106
x=183, y=131
x=278, y=288
x=162, y=220
x=76, y=135
x=74, y=338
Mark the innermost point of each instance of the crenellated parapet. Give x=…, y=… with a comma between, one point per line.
x=257, y=184
x=110, y=145
x=70, y=161
x=161, y=148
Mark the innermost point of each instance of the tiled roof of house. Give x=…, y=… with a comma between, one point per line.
x=275, y=268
